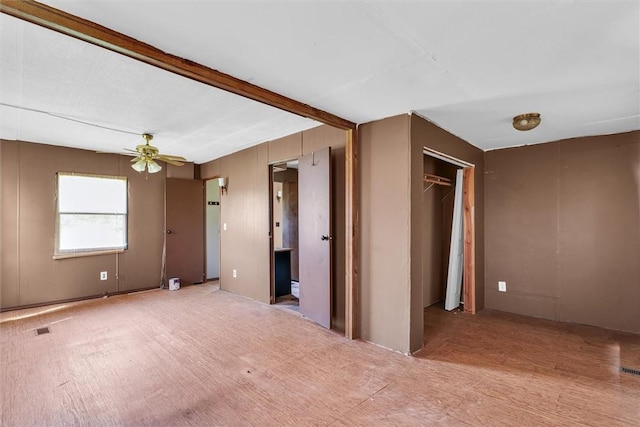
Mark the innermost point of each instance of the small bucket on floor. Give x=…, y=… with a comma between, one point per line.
x=174, y=284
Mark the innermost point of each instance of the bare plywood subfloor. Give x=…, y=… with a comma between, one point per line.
x=200, y=356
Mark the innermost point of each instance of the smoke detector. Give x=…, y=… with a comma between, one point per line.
x=526, y=121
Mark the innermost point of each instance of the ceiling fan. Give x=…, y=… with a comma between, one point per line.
x=148, y=154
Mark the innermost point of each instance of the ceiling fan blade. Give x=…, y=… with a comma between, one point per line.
x=168, y=160
x=146, y=154
x=128, y=153
x=172, y=157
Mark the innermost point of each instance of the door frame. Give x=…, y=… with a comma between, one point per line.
x=165, y=253
x=206, y=254
x=272, y=258
x=468, y=225
x=352, y=234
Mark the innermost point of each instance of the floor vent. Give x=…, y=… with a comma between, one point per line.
x=630, y=371
x=41, y=331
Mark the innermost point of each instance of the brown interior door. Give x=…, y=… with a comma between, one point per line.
x=315, y=239
x=184, y=228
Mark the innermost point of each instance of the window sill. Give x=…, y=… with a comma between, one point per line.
x=88, y=253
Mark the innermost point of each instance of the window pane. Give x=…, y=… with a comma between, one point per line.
x=87, y=194
x=85, y=231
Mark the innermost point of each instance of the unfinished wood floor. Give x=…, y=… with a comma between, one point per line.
x=200, y=356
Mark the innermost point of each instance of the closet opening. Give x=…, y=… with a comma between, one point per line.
x=448, y=242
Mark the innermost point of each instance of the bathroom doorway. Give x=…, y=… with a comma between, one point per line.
x=302, y=239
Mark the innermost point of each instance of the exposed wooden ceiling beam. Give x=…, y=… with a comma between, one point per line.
x=74, y=26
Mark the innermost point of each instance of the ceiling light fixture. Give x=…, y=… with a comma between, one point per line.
x=526, y=121
x=148, y=154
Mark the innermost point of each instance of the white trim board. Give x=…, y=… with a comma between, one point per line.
x=447, y=158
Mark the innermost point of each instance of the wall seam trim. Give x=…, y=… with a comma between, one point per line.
x=19, y=221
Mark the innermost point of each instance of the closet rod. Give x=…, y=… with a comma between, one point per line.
x=435, y=179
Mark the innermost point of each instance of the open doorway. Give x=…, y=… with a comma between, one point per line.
x=302, y=238
x=212, y=229
x=284, y=218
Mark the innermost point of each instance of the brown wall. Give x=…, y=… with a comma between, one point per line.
x=278, y=211
x=208, y=170
x=392, y=219
x=432, y=228
x=385, y=233
x=290, y=225
x=286, y=148
x=29, y=274
x=245, y=210
x=563, y=230
x=186, y=171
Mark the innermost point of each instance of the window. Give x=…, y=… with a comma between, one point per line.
x=91, y=215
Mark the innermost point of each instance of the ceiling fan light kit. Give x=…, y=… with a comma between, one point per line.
x=148, y=154
x=526, y=121
x=140, y=165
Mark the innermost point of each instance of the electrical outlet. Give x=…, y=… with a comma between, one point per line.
x=502, y=286
x=224, y=226
x=235, y=273
x=103, y=275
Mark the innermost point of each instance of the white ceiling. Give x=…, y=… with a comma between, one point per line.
x=468, y=66
x=65, y=77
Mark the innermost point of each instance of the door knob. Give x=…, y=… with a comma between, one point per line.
x=168, y=231
x=326, y=238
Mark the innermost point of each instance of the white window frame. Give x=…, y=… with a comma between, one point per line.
x=73, y=253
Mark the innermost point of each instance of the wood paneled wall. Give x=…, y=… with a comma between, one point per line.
x=245, y=210
x=563, y=230
x=29, y=273
x=209, y=170
x=244, y=213
x=186, y=171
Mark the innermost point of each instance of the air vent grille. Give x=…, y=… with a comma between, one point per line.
x=630, y=371
x=41, y=331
